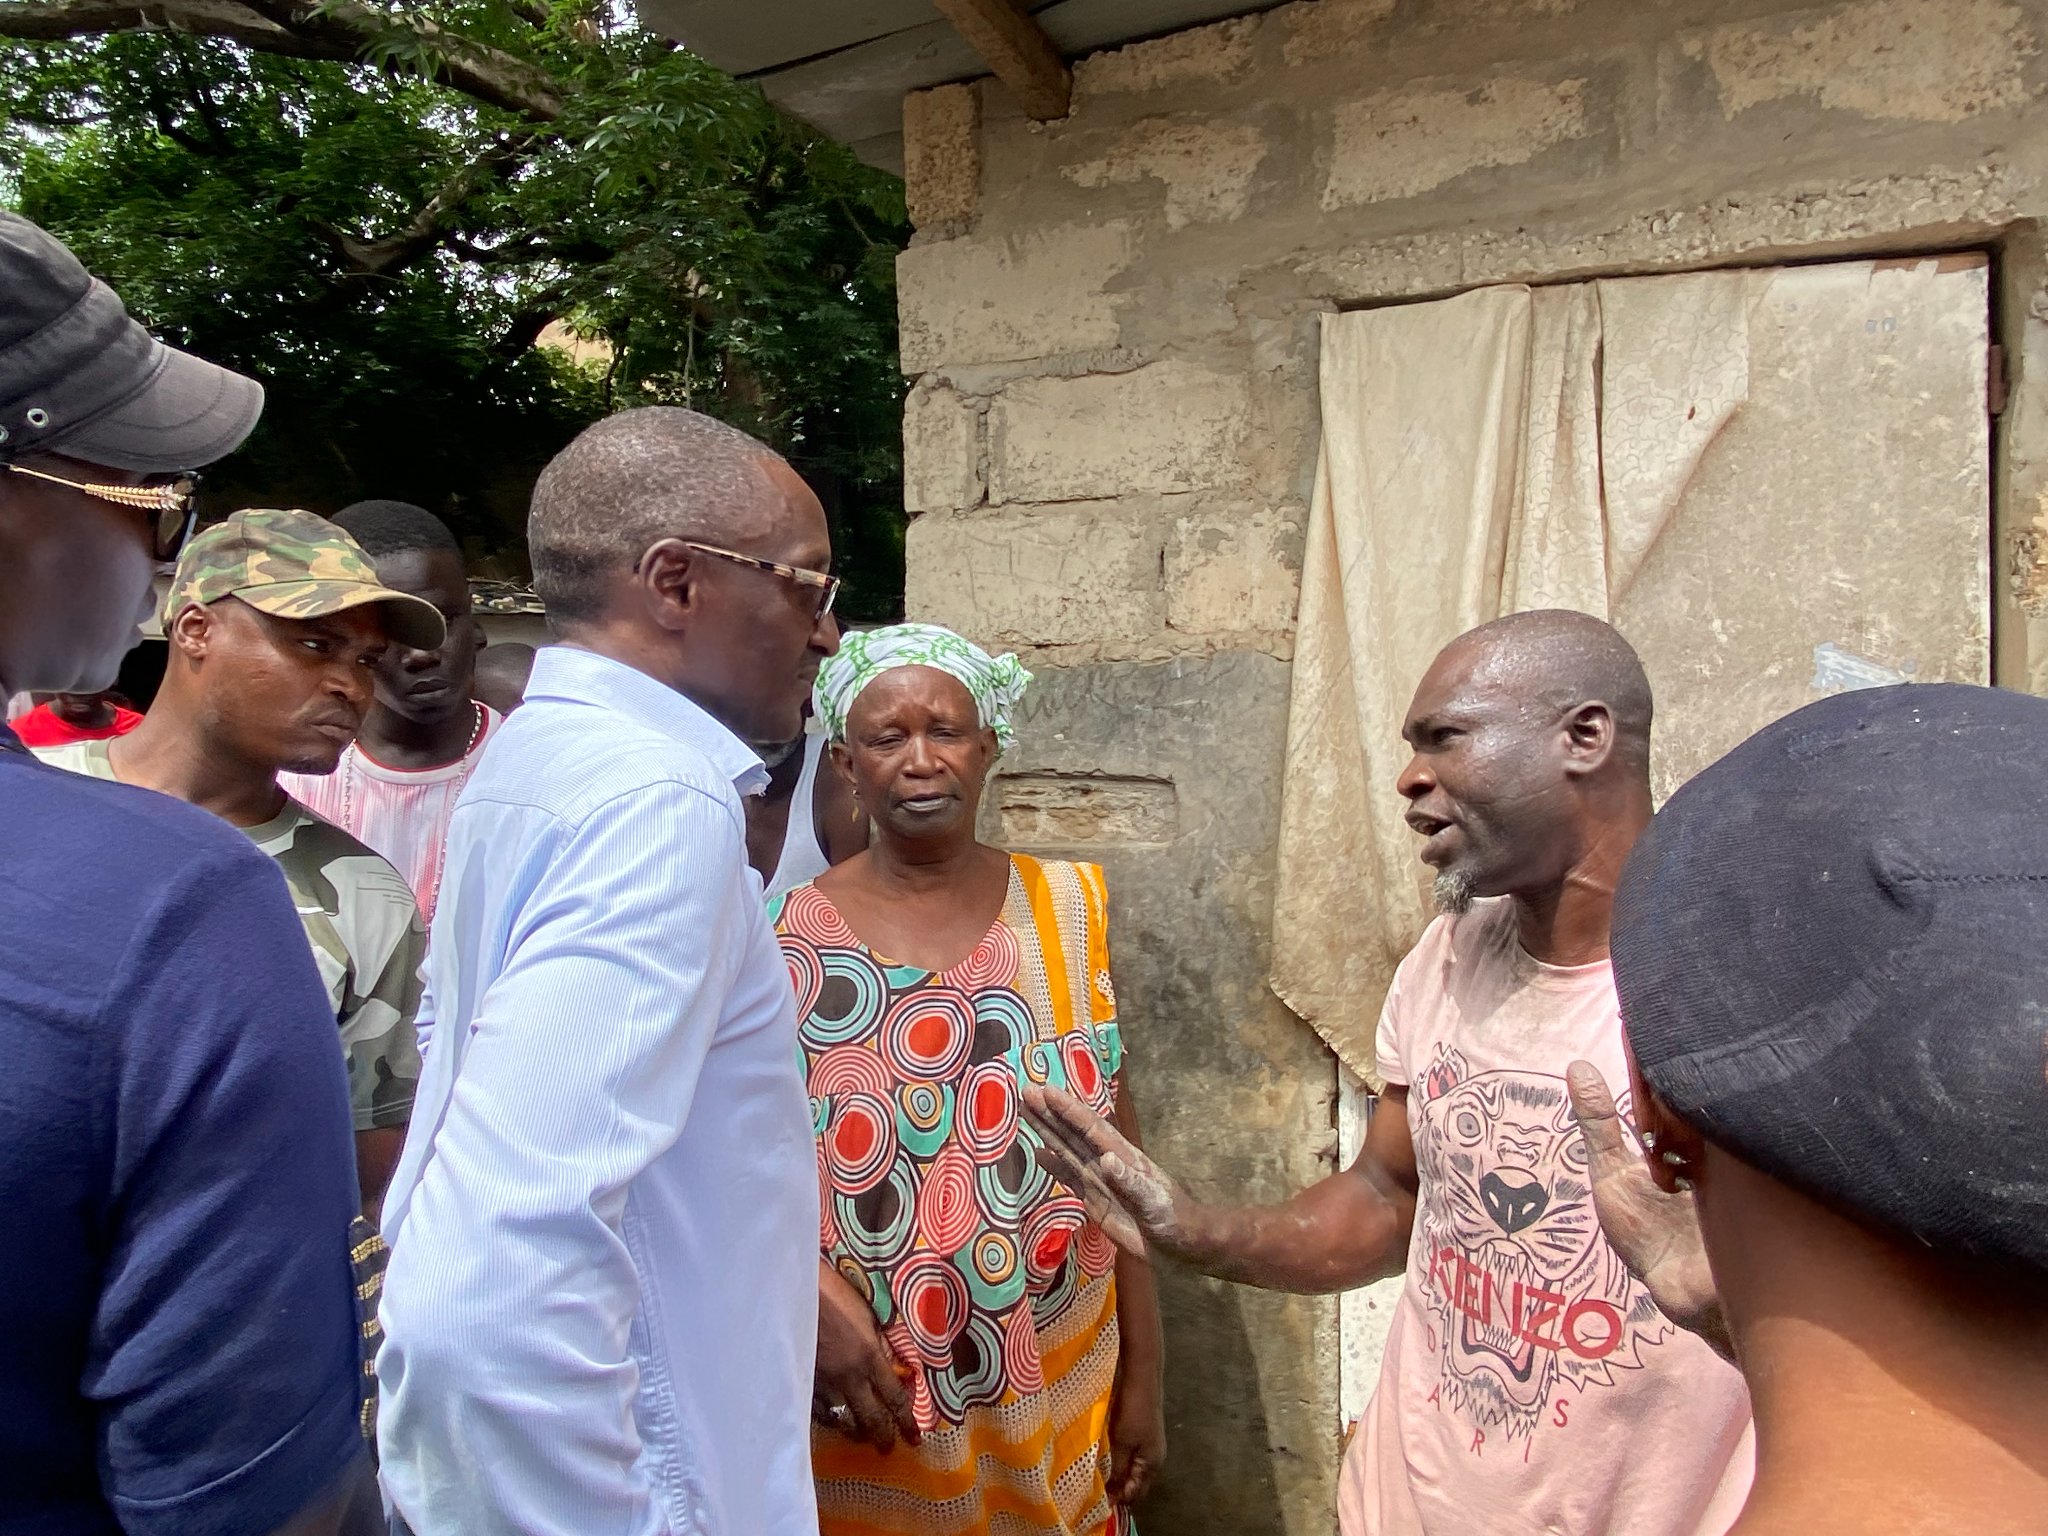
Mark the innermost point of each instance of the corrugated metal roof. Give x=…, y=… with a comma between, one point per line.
x=843, y=65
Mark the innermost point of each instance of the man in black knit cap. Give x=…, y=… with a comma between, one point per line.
x=1830, y=959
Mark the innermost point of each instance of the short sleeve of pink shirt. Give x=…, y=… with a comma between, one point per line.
x=1529, y=1384
x=1386, y=1041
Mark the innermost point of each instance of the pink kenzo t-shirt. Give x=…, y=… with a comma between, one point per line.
x=1530, y=1385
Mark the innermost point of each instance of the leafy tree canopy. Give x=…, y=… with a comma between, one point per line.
x=377, y=208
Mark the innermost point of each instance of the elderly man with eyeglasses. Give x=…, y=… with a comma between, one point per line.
x=602, y=1305
x=176, y=1184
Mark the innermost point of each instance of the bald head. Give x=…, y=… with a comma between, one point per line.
x=1531, y=740
x=632, y=480
x=688, y=551
x=1558, y=659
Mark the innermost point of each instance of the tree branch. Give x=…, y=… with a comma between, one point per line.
x=167, y=125
x=392, y=253
x=57, y=20
x=525, y=327
x=344, y=31
x=527, y=248
x=202, y=103
x=476, y=69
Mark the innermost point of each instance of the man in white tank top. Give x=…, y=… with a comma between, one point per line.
x=806, y=820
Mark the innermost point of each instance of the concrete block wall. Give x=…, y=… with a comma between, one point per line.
x=1112, y=324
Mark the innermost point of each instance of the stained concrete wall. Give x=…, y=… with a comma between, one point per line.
x=1112, y=323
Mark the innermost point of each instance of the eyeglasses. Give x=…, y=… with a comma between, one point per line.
x=175, y=504
x=829, y=585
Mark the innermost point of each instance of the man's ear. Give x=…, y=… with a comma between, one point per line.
x=191, y=631
x=1588, y=737
x=1673, y=1149
x=667, y=577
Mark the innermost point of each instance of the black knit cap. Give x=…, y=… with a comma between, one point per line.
x=1831, y=951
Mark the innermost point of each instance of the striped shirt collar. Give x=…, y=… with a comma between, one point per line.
x=584, y=677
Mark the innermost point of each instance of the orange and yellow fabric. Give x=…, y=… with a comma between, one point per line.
x=993, y=1289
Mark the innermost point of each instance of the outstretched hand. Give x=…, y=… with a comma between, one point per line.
x=1657, y=1235
x=1127, y=1194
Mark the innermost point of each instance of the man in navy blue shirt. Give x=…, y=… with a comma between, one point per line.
x=178, y=1326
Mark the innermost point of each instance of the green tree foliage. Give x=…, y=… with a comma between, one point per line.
x=377, y=208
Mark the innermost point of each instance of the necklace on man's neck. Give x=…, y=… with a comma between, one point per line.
x=347, y=770
x=354, y=753
x=390, y=740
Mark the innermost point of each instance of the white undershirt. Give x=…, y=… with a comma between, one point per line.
x=802, y=857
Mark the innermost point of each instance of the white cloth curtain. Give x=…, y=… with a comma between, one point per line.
x=1503, y=450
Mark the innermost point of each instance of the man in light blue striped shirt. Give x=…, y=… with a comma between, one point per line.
x=601, y=1310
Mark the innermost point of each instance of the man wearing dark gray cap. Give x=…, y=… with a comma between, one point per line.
x=176, y=1183
x=1830, y=960
x=99, y=422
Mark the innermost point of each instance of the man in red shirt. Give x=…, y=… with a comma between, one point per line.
x=61, y=718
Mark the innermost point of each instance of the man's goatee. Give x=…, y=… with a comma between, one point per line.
x=1453, y=892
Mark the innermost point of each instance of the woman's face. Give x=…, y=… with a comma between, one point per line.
x=917, y=754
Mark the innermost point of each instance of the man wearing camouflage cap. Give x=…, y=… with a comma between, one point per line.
x=276, y=621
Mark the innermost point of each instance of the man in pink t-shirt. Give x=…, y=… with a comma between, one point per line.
x=1530, y=1384
x=397, y=784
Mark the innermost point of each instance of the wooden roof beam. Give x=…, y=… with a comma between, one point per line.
x=1016, y=50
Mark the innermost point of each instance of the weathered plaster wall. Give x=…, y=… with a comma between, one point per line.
x=1112, y=322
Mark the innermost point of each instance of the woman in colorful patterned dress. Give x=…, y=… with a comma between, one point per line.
x=987, y=1361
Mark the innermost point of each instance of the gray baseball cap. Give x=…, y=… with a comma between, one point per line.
x=79, y=377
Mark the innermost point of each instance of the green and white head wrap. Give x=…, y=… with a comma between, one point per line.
x=996, y=682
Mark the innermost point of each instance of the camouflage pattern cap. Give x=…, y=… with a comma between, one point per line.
x=294, y=565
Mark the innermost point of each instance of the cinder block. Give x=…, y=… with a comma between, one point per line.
x=997, y=301
x=1930, y=61
x=1234, y=572
x=1074, y=810
x=1402, y=142
x=1201, y=56
x=941, y=450
x=1206, y=166
x=1075, y=575
x=942, y=158
x=1169, y=426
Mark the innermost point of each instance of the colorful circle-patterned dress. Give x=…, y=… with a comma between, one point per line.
x=994, y=1290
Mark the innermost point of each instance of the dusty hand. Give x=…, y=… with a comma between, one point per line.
x=1657, y=1235
x=857, y=1390
x=1127, y=1194
x=1137, y=1439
